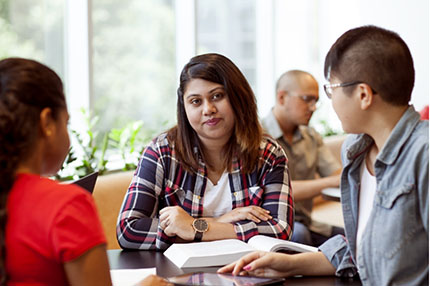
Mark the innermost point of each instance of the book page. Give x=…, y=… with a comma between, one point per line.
x=262, y=242
x=213, y=248
x=203, y=254
x=267, y=243
x=129, y=277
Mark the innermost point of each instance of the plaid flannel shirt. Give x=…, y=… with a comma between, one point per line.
x=160, y=181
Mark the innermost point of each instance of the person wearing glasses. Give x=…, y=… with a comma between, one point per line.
x=287, y=122
x=385, y=177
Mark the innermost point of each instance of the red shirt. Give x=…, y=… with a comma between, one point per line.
x=48, y=224
x=424, y=113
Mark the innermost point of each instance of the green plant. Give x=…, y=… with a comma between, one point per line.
x=129, y=142
x=326, y=129
x=95, y=151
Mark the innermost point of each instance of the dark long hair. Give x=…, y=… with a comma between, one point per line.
x=247, y=134
x=26, y=87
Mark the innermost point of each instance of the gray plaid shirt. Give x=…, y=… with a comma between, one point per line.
x=307, y=157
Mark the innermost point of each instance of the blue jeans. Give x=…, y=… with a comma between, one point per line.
x=303, y=235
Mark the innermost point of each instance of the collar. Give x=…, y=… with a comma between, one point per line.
x=274, y=129
x=272, y=125
x=391, y=149
x=236, y=163
x=398, y=137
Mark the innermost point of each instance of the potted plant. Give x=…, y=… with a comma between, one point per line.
x=114, y=150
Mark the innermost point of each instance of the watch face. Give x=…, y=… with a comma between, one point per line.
x=201, y=225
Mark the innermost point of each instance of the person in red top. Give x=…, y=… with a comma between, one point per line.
x=50, y=233
x=424, y=113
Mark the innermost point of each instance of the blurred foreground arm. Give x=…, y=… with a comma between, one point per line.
x=91, y=268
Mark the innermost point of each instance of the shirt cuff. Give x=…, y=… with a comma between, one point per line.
x=337, y=251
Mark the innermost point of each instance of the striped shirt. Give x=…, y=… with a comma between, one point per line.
x=160, y=180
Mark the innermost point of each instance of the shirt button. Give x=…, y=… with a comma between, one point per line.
x=235, y=194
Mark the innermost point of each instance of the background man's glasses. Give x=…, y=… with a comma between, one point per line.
x=311, y=100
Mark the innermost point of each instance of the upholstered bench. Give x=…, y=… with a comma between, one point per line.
x=108, y=194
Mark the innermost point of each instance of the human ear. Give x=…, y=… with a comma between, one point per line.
x=47, y=122
x=366, y=96
x=280, y=96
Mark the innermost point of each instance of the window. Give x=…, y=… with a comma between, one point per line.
x=33, y=29
x=133, y=57
x=124, y=64
x=228, y=28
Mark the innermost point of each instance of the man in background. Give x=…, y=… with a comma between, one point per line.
x=296, y=98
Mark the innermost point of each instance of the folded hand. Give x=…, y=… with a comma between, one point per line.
x=254, y=213
x=175, y=221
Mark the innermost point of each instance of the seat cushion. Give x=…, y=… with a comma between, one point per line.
x=108, y=194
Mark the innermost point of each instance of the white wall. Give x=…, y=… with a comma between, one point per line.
x=410, y=19
x=305, y=30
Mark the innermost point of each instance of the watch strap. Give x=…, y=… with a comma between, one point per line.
x=200, y=226
x=198, y=236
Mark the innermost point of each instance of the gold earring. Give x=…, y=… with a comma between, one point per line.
x=48, y=132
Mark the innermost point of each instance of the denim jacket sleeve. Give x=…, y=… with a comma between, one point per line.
x=423, y=188
x=337, y=251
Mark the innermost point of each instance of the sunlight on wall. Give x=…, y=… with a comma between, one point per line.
x=305, y=31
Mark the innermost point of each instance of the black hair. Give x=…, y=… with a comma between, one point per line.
x=26, y=88
x=375, y=56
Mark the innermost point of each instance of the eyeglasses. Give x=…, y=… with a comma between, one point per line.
x=311, y=100
x=328, y=88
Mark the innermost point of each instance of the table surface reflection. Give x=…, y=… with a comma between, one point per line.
x=132, y=259
x=331, y=194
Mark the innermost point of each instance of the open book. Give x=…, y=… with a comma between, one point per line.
x=225, y=251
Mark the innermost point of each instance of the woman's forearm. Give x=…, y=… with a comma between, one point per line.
x=219, y=230
x=309, y=264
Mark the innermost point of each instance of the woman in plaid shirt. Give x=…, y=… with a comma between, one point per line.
x=212, y=176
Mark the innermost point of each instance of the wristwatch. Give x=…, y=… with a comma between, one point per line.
x=200, y=226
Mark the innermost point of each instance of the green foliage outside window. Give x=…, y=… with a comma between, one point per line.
x=116, y=149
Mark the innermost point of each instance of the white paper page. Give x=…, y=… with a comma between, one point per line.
x=129, y=277
x=267, y=243
x=262, y=242
x=217, y=247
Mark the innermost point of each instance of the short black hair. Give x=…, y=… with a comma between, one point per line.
x=375, y=56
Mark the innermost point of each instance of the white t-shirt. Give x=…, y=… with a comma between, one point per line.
x=365, y=202
x=217, y=198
